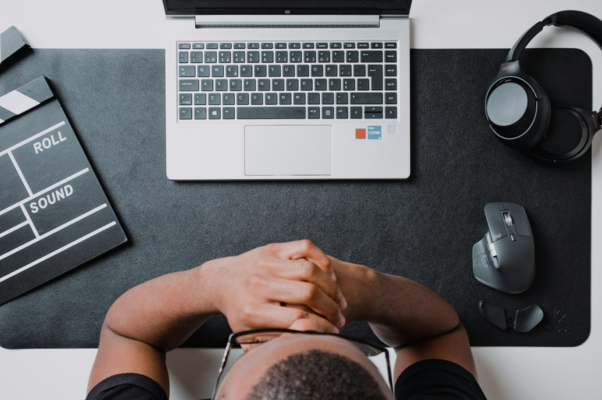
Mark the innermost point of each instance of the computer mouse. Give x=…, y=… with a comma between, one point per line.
x=505, y=258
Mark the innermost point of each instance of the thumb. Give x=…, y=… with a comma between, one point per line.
x=306, y=324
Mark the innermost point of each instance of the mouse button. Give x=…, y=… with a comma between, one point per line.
x=521, y=221
x=494, y=314
x=527, y=318
x=497, y=227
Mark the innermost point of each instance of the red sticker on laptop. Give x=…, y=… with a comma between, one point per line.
x=360, y=134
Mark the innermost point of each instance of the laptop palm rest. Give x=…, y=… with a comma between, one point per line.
x=288, y=150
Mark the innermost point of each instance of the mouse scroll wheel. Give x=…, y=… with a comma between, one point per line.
x=508, y=219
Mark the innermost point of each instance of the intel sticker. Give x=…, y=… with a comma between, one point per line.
x=374, y=132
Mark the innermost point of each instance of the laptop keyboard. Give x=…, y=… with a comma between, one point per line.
x=301, y=80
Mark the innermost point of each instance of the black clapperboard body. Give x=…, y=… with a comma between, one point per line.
x=54, y=215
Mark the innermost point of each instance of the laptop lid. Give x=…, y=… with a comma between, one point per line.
x=295, y=7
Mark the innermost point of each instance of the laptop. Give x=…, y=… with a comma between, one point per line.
x=285, y=90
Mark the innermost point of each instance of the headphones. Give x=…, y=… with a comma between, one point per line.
x=519, y=112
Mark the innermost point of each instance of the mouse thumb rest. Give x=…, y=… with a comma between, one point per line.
x=521, y=321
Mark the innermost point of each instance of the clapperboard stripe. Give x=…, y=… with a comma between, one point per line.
x=11, y=41
x=24, y=99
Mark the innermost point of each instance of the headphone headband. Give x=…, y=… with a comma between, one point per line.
x=586, y=23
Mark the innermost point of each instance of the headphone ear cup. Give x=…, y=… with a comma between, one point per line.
x=514, y=112
x=569, y=135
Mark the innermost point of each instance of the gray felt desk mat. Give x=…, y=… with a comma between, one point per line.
x=422, y=228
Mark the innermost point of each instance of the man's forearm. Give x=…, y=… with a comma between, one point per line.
x=400, y=311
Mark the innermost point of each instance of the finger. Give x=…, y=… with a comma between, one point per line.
x=307, y=271
x=306, y=324
x=275, y=316
x=304, y=293
x=304, y=249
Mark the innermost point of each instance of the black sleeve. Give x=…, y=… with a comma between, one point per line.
x=437, y=380
x=127, y=387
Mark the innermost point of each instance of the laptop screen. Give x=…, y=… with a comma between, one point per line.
x=357, y=7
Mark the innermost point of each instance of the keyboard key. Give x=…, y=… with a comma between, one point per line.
x=376, y=45
x=242, y=99
x=294, y=45
x=185, y=71
x=225, y=45
x=183, y=56
x=338, y=56
x=357, y=113
x=275, y=71
x=313, y=112
x=228, y=112
x=263, y=85
x=202, y=70
x=271, y=98
x=260, y=70
x=390, y=70
x=331, y=70
x=313, y=98
x=221, y=85
x=390, y=112
x=232, y=71
x=217, y=70
x=285, y=98
x=200, y=99
x=353, y=56
x=376, y=73
x=390, y=56
x=278, y=85
x=391, y=45
x=334, y=84
x=390, y=98
x=363, y=84
x=250, y=85
x=214, y=113
x=270, y=113
x=210, y=57
x=236, y=85
x=342, y=98
x=198, y=46
x=189, y=85
x=323, y=56
x=359, y=70
x=299, y=98
x=363, y=45
x=366, y=98
x=336, y=45
x=345, y=70
x=348, y=84
x=267, y=56
x=309, y=56
x=307, y=84
x=321, y=45
x=349, y=45
x=228, y=99
x=282, y=56
x=257, y=99
x=317, y=70
x=342, y=112
x=239, y=45
x=292, y=84
x=281, y=45
x=225, y=57
x=253, y=57
x=327, y=98
x=185, y=99
x=246, y=70
x=373, y=109
x=308, y=45
x=267, y=45
x=252, y=45
x=302, y=70
x=391, y=84
x=288, y=70
x=321, y=84
x=212, y=45
x=296, y=57
x=196, y=57
x=200, y=113
x=206, y=85
x=215, y=99
x=327, y=112
x=372, y=56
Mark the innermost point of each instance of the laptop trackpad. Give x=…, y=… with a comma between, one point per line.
x=288, y=150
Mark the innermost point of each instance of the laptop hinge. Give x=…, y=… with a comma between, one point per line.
x=287, y=21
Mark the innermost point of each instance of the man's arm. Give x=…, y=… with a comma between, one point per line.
x=158, y=315
x=405, y=315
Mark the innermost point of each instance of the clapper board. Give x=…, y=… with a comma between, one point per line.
x=54, y=215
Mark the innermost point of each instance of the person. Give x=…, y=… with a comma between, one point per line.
x=292, y=285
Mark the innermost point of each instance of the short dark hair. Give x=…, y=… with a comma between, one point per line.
x=316, y=375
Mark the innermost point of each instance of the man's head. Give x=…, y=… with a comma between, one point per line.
x=296, y=367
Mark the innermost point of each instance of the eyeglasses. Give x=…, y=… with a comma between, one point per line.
x=250, y=339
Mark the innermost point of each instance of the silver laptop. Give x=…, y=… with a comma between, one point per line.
x=269, y=90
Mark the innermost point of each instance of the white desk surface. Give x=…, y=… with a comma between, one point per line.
x=504, y=373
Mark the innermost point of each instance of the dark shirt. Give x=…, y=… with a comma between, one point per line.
x=428, y=379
